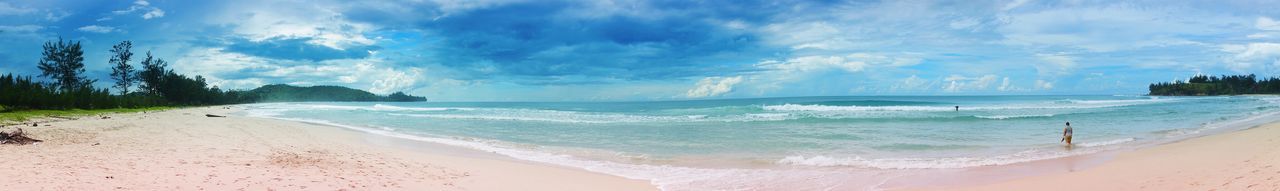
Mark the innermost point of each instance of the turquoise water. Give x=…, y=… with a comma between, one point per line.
x=765, y=137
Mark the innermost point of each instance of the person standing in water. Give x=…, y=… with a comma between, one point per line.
x=1066, y=134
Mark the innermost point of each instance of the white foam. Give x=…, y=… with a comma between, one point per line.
x=1012, y=116
x=1106, y=143
x=665, y=177
x=1044, y=153
x=1065, y=104
x=375, y=107
x=799, y=107
x=596, y=118
x=398, y=108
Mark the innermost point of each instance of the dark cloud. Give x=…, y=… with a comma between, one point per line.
x=544, y=40
x=297, y=49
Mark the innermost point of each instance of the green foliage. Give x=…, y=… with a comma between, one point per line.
x=69, y=91
x=153, y=70
x=1213, y=85
x=121, y=71
x=402, y=97
x=13, y=116
x=24, y=93
x=64, y=62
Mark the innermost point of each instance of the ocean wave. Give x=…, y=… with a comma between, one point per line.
x=375, y=107
x=398, y=108
x=1002, y=117
x=800, y=107
x=665, y=177
x=952, y=162
x=913, y=163
x=1105, y=143
x=1059, y=104
x=562, y=119
x=602, y=118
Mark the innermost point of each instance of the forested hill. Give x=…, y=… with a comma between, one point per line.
x=63, y=85
x=288, y=93
x=1202, y=85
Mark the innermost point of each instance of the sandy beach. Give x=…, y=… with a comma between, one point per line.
x=183, y=149
x=1240, y=160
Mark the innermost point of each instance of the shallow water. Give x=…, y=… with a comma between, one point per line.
x=726, y=144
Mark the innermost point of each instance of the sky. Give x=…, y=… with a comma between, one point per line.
x=624, y=50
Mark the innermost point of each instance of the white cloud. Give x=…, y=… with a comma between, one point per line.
x=7, y=9
x=958, y=83
x=325, y=26
x=912, y=83
x=1044, y=85
x=56, y=16
x=1054, y=65
x=1113, y=26
x=140, y=5
x=154, y=13
x=386, y=80
x=97, y=29
x=1005, y=85
x=851, y=63
x=1245, y=58
x=1266, y=23
x=815, y=63
x=1013, y=4
x=1269, y=29
x=20, y=29
x=713, y=86
x=21, y=33
x=371, y=74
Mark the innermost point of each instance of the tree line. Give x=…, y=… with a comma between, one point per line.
x=1203, y=85
x=62, y=62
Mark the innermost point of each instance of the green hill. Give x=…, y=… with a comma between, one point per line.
x=288, y=93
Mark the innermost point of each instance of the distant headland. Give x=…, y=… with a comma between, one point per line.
x=1203, y=85
x=151, y=84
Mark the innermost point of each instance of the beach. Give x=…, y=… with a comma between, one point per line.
x=1240, y=160
x=182, y=149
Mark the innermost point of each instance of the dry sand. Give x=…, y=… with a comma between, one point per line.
x=1240, y=160
x=184, y=150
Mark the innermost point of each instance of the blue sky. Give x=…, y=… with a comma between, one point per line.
x=549, y=50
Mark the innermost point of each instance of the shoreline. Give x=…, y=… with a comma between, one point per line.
x=1242, y=159
x=931, y=178
x=181, y=149
x=309, y=155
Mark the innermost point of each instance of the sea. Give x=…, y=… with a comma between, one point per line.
x=792, y=143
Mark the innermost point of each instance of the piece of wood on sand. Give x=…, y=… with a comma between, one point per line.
x=212, y=115
x=17, y=137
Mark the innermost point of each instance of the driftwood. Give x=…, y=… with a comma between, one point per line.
x=212, y=115
x=16, y=137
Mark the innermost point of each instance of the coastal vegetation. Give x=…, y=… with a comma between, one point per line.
x=288, y=93
x=1203, y=85
x=6, y=118
x=151, y=85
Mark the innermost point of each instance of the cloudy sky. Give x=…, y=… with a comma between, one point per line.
x=602, y=50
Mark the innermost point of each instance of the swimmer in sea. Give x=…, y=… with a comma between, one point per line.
x=1066, y=134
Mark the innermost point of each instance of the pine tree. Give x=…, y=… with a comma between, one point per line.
x=121, y=71
x=152, y=74
x=64, y=63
